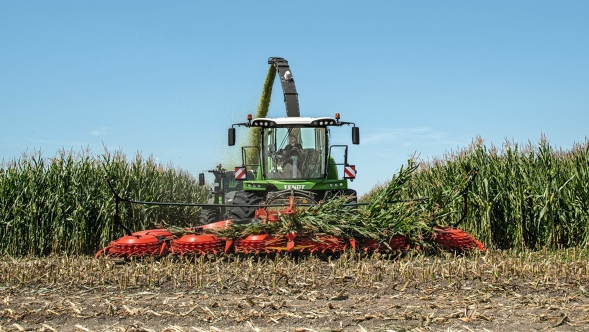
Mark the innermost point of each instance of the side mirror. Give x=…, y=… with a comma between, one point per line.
x=355, y=135
x=271, y=147
x=231, y=137
x=201, y=179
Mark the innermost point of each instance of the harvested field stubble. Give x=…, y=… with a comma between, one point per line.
x=496, y=291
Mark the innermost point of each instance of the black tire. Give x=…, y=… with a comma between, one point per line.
x=207, y=216
x=251, y=199
x=353, y=194
x=350, y=193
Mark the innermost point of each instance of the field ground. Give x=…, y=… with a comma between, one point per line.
x=496, y=291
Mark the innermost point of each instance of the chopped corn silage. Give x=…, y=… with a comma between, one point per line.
x=264, y=104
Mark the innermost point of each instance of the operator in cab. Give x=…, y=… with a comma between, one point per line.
x=292, y=149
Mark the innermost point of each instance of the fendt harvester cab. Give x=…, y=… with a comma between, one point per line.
x=292, y=157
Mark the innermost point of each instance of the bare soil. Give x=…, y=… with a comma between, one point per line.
x=358, y=294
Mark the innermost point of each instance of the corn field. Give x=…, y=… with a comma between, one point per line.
x=531, y=196
x=524, y=197
x=64, y=205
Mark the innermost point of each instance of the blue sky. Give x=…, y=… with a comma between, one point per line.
x=168, y=78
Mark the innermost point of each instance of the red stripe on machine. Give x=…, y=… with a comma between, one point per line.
x=350, y=171
x=240, y=173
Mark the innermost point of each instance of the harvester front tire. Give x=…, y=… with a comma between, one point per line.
x=207, y=216
x=352, y=194
x=251, y=199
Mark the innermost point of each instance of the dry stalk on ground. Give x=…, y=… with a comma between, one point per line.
x=493, y=291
